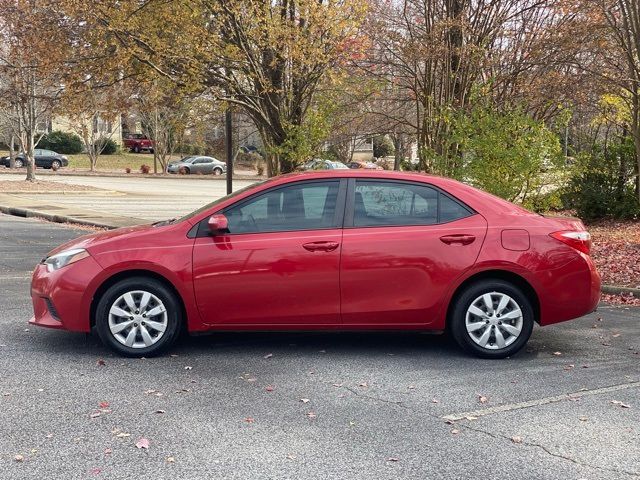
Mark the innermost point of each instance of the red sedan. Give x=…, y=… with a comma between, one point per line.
x=343, y=250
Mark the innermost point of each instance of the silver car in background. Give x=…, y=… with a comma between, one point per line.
x=197, y=164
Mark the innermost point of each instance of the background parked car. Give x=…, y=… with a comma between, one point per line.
x=365, y=165
x=321, y=164
x=137, y=142
x=44, y=159
x=198, y=164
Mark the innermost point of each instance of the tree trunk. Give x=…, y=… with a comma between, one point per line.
x=12, y=152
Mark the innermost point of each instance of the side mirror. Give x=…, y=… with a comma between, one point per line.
x=218, y=224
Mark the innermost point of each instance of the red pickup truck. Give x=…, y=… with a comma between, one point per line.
x=137, y=142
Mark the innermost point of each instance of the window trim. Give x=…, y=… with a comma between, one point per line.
x=351, y=199
x=338, y=219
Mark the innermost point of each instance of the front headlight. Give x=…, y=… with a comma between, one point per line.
x=62, y=259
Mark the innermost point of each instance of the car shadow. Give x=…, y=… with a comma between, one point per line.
x=348, y=345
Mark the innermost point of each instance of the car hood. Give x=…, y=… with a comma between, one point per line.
x=95, y=239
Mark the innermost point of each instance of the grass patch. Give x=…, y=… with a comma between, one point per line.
x=118, y=162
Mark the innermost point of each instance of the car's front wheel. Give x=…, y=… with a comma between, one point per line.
x=138, y=317
x=56, y=164
x=217, y=171
x=18, y=163
x=492, y=319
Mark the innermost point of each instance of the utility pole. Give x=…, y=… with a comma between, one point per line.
x=228, y=132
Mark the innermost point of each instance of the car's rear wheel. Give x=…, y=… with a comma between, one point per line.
x=136, y=149
x=18, y=163
x=138, y=317
x=184, y=171
x=492, y=319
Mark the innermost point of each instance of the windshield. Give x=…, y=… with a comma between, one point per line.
x=187, y=159
x=220, y=200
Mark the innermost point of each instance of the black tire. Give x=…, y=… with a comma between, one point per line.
x=184, y=171
x=136, y=149
x=56, y=164
x=156, y=288
x=457, y=320
x=217, y=171
x=18, y=163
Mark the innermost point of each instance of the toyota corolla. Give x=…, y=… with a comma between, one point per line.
x=336, y=250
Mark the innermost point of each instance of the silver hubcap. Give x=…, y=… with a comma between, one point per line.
x=494, y=320
x=138, y=319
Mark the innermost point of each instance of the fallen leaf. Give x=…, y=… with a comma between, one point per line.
x=338, y=384
x=103, y=404
x=268, y=355
x=101, y=362
x=95, y=414
x=19, y=458
x=304, y=400
x=557, y=354
x=411, y=387
x=269, y=388
x=123, y=435
x=173, y=355
x=482, y=399
x=583, y=419
x=251, y=379
x=249, y=420
x=606, y=344
x=49, y=435
x=108, y=451
x=621, y=404
x=455, y=431
x=188, y=367
x=449, y=422
x=170, y=460
x=311, y=415
x=291, y=457
x=142, y=443
x=159, y=411
x=615, y=335
x=434, y=400
x=363, y=385
x=392, y=459
x=95, y=471
x=471, y=417
x=516, y=439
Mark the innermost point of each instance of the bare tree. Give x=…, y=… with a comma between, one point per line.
x=30, y=78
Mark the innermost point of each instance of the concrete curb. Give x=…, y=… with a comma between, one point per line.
x=28, y=213
x=613, y=289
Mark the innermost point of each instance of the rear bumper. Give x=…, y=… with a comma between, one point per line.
x=571, y=291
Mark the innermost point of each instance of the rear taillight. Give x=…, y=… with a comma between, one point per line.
x=581, y=241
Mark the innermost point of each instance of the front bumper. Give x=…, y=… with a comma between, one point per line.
x=60, y=298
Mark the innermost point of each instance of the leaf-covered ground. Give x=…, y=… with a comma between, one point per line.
x=616, y=253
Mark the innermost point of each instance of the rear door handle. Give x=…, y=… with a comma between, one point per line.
x=321, y=246
x=462, y=239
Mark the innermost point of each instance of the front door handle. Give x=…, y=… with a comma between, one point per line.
x=462, y=239
x=321, y=246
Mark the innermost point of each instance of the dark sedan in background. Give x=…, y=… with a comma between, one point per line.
x=44, y=159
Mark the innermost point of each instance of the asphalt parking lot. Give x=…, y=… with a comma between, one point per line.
x=306, y=406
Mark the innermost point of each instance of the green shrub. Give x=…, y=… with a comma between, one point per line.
x=110, y=147
x=61, y=142
x=601, y=183
x=382, y=147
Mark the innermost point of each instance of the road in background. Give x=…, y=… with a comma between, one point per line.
x=311, y=406
x=143, y=198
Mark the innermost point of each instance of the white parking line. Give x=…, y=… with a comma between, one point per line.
x=536, y=403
